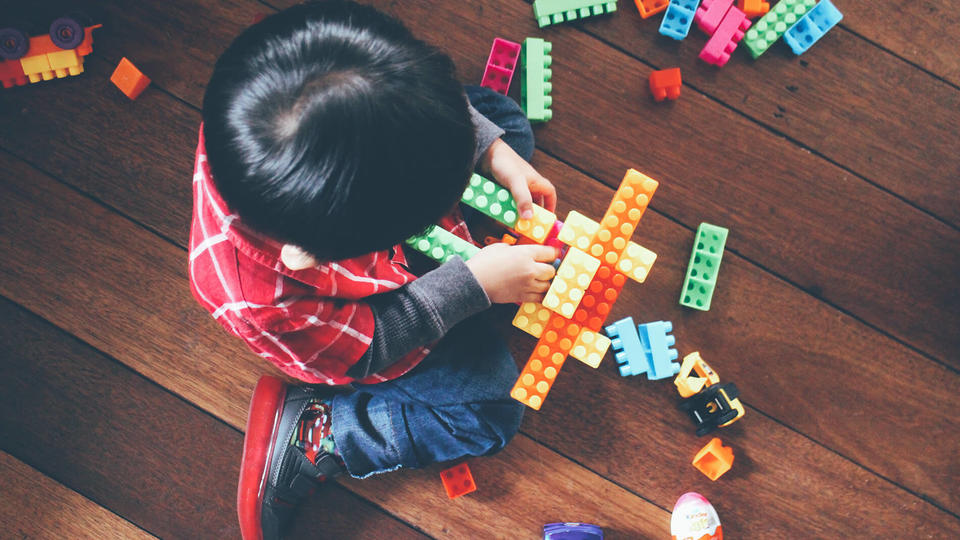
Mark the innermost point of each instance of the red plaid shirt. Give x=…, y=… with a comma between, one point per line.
x=313, y=324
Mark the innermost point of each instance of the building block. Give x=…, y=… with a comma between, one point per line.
x=441, y=245
x=501, y=65
x=715, y=406
x=771, y=26
x=714, y=459
x=753, y=8
x=535, y=85
x=571, y=282
x=665, y=83
x=11, y=74
x=490, y=198
x=129, y=79
x=812, y=26
x=686, y=383
x=532, y=318
x=548, y=12
x=539, y=226
x=658, y=349
x=622, y=216
x=704, y=264
x=458, y=480
x=548, y=356
x=578, y=230
x=648, y=8
x=599, y=298
x=553, y=239
x=628, y=350
x=710, y=14
x=725, y=39
x=678, y=18
x=636, y=262
x=590, y=347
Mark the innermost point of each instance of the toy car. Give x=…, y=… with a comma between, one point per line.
x=713, y=407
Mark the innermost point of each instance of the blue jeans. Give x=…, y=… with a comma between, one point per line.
x=457, y=402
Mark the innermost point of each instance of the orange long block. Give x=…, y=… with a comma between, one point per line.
x=544, y=364
x=598, y=300
x=648, y=8
x=617, y=226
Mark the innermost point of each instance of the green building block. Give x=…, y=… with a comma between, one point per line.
x=535, y=84
x=549, y=12
x=440, y=245
x=771, y=26
x=704, y=265
x=492, y=199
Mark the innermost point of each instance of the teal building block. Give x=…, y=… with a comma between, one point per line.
x=548, y=12
x=771, y=26
x=658, y=347
x=627, y=348
x=678, y=18
x=704, y=263
x=492, y=199
x=812, y=26
x=440, y=245
x=535, y=86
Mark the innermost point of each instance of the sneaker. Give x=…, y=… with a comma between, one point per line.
x=274, y=474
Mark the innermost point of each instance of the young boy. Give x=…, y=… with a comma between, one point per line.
x=330, y=135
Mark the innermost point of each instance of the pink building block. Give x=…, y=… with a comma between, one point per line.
x=710, y=13
x=726, y=38
x=504, y=56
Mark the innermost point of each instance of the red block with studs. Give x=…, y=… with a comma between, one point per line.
x=501, y=64
x=458, y=481
x=665, y=84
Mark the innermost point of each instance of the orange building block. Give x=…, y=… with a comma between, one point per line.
x=714, y=459
x=458, y=481
x=11, y=74
x=129, y=79
x=548, y=357
x=753, y=8
x=617, y=226
x=599, y=298
x=665, y=84
x=651, y=7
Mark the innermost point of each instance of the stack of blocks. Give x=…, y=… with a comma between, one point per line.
x=535, y=86
x=704, y=264
x=710, y=14
x=646, y=348
x=772, y=25
x=648, y=8
x=441, y=245
x=548, y=12
x=501, y=65
x=812, y=26
x=678, y=18
x=725, y=38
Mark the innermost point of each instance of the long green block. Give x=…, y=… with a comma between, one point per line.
x=535, y=86
x=440, y=245
x=771, y=26
x=557, y=11
x=704, y=264
x=492, y=199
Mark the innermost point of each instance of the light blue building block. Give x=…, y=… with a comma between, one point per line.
x=678, y=18
x=812, y=26
x=628, y=351
x=658, y=348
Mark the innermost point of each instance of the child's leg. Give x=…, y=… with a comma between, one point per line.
x=455, y=403
x=505, y=113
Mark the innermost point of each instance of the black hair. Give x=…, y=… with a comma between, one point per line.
x=330, y=127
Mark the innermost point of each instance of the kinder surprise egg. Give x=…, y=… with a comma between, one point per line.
x=695, y=519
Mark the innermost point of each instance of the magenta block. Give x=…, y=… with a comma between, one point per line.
x=726, y=38
x=501, y=64
x=710, y=13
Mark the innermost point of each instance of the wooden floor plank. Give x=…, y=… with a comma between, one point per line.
x=136, y=449
x=35, y=506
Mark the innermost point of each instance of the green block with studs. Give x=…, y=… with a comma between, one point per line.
x=549, y=12
x=704, y=263
x=771, y=26
x=492, y=199
x=441, y=245
x=535, y=86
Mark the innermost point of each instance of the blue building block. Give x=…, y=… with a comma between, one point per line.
x=812, y=26
x=678, y=18
x=658, y=349
x=628, y=351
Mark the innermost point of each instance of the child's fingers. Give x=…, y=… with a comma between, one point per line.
x=543, y=254
x=544, y=272
x=532, y=297
x=547, y=193
x=521, y=194
x=540, y=285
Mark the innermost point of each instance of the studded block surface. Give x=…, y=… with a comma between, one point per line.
x=571, y=282
x=441, y=245
x=458, y=480
x=704, y=264
x=771, y=26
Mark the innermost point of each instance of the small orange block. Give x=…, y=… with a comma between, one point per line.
x=714, y=459
x=753, y=8
x=129, y=79
x=458, y=481
x=648, y=8
x=665, y=84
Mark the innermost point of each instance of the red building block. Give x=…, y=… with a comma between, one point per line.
x=648, y=8
x=665, y=84
x=753, y=8
x=725, y=40
x=458, y=481
x=129, y=79
x=11, y=73
x=501, y=64
x=710, y=13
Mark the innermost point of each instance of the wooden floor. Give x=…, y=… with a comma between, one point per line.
x=837, y=310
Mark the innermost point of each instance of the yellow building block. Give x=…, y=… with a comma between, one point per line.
x=590, y=347
x=65, y=63
x=628, y=205
x=578, y=231
x=538, y=227
x=636, y=261
x=532, y=318
x=572, y=279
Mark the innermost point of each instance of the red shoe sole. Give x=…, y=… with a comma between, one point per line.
x=262, y=424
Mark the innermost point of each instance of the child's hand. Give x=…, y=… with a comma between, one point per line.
x=514, y=273
x=523, y=181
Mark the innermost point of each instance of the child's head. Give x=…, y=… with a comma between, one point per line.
x=330, y=127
